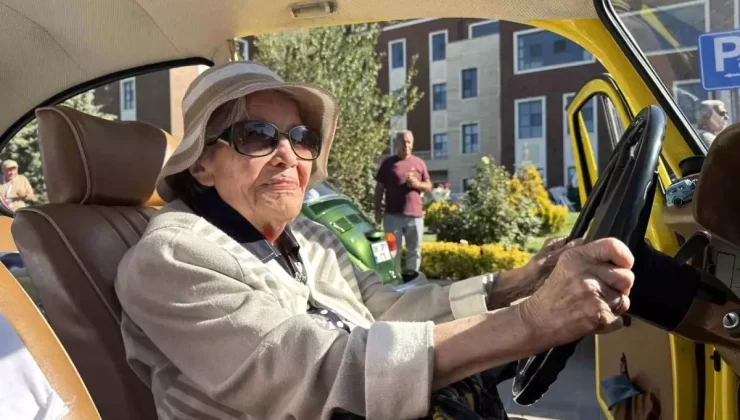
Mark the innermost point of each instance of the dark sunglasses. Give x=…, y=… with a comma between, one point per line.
x=257, y=138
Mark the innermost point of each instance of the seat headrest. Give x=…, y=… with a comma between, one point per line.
x=90, y=160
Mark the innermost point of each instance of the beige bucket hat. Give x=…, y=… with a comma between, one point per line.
x=223, y=83
x=10, y=163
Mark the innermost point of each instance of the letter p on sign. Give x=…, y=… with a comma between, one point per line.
x=725, y=47
x=719, y=54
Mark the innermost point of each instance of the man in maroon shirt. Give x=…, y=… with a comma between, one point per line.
x=402, y=178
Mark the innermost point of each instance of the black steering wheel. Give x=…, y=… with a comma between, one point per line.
x=618, y=207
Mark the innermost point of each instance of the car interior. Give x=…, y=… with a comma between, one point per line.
x=98, y=207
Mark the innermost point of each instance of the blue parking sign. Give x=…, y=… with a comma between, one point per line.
x=719, y=56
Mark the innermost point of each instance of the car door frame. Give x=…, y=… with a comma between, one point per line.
x=687, y=363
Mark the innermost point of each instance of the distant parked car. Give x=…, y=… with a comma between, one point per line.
x=369, y=248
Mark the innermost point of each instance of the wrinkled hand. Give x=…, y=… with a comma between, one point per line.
x=541, y=265
x=520, y=283
x=586, y=293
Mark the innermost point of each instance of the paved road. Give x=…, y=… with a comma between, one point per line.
x=572, y=397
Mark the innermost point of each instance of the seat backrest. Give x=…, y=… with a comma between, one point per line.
x=100, y=179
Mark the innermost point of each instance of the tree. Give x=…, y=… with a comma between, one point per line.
x=24, y=146
x=343, y=60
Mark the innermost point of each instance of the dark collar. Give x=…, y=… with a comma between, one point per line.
x=209, y=205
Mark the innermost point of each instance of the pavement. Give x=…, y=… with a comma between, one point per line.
x=572, y=396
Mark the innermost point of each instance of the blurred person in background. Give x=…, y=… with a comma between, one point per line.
x=402, y=179
x=713, y=118
x=15, y=189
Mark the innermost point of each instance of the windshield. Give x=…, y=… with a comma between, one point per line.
x=321, y=190
x=668, y=32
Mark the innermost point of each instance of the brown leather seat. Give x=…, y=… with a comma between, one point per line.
x=100, y=178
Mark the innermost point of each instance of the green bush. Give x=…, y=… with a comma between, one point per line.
x=454, y=261
x=443, y=219
x=490, y=212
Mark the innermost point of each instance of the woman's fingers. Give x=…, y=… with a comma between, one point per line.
x=608, y=250
x=620, y=280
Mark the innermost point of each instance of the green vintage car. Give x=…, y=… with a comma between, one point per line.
x=369, y=248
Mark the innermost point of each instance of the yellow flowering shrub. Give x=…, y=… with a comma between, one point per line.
x=497, y=257
x=529, y=184
x=446, y=260
x=443, y=219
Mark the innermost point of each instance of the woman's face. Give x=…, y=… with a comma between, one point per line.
x=267, y=191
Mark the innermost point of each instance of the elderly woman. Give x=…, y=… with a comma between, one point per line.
x=236, y=308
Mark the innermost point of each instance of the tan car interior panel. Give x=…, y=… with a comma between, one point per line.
x=651, y=374
x=101, y=177
x=717, y=200
x=46, y=350
x=6, y=240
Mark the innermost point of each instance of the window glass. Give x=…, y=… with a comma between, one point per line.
x=243, y=49
x=683, y=24
x=470, y=138
x=439, y=97
x=541, y=49
x=127, y=88
x=588, y=114
x=321, y=190
x=560, y=46
x=667, y=32
x=469, y=83
x=440, y=146
x=25, y=185
x=129, y=95
x=439, y=46
x=465, y=184
x=483, y=29
x=530, y=119
x=690, y=96
x=398, y=55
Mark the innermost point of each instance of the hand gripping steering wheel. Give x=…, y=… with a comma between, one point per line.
x=618, y=207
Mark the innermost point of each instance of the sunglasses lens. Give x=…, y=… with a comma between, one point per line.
x=306, y=142
x=254, y=138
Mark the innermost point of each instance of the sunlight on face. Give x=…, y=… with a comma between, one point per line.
x=267, y=191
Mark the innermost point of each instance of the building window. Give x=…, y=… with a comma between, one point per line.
x=480, y=29
x=470, y=139
x=243, y=49
x=538, y=50
x=559, y=46
x=588, y=113
x=127, y=99
x=440, y=146
x=689, y=95
x=439, y=97
x=129, y=95
x=465, y=184
x=469, y=83
x=684, y=23
x=398, y=54
x=530, y=122
x=439, y=46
